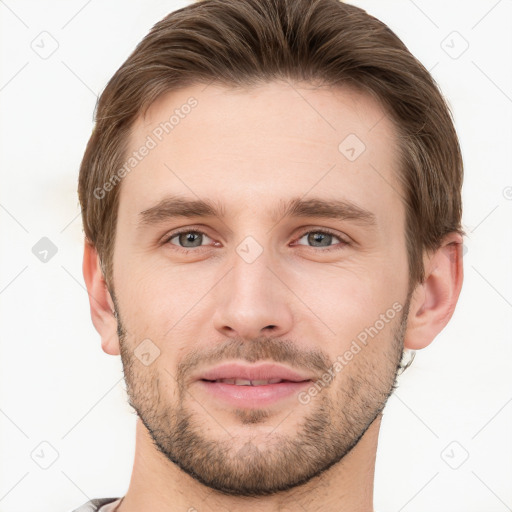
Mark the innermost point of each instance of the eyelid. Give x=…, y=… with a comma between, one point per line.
x=188, y=229
x=328, y=231
x=344, y=240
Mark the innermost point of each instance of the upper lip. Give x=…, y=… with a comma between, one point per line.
x=264, y=371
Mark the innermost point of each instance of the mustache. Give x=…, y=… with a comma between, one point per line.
x=263, y=348
x=255, y=350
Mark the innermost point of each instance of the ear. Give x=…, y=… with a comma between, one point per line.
x=102, y=306
x=433, y=301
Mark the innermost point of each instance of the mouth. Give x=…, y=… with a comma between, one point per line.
x=252, y=386
x=252, y=375
x=245, y=382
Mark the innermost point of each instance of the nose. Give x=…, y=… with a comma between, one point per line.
x=253, y=301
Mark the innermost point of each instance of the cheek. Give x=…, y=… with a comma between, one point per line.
x=347, y=298
x=168, y=305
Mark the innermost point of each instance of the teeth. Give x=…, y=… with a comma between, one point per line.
x=245, y=382
x=259, y=382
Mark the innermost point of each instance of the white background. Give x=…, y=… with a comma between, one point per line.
x=56, y=384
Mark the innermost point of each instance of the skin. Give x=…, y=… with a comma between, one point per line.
x=249, y=149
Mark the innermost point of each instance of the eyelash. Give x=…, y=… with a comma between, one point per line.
x=322, y=231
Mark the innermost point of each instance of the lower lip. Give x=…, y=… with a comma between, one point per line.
x=253, y=396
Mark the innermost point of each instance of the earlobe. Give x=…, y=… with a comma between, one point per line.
x=433, y=301
x=101, y=304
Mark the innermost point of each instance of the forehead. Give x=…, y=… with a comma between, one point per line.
x=250, y=146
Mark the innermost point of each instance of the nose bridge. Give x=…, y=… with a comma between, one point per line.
x=252, y=301
x=250, y=275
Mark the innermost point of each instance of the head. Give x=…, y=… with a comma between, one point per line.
x=269, y=181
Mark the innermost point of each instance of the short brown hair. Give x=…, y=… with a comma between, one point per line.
x=251, y=42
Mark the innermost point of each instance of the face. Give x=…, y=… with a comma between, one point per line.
x=290, y=265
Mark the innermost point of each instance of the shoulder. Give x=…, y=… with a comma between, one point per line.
x=94, y=505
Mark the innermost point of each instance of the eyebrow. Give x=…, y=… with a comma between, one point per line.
x=336, y=209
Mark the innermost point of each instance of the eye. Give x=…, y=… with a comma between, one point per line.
x=321, y=238
x=187, y=239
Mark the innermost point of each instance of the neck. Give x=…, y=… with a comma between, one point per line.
x=160, y=486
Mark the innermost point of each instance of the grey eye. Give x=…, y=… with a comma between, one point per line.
x=189, y=239
x=319, y=238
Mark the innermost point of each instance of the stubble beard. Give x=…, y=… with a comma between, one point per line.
x=335, y=421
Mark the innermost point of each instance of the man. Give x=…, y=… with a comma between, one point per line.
x=271, y=199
